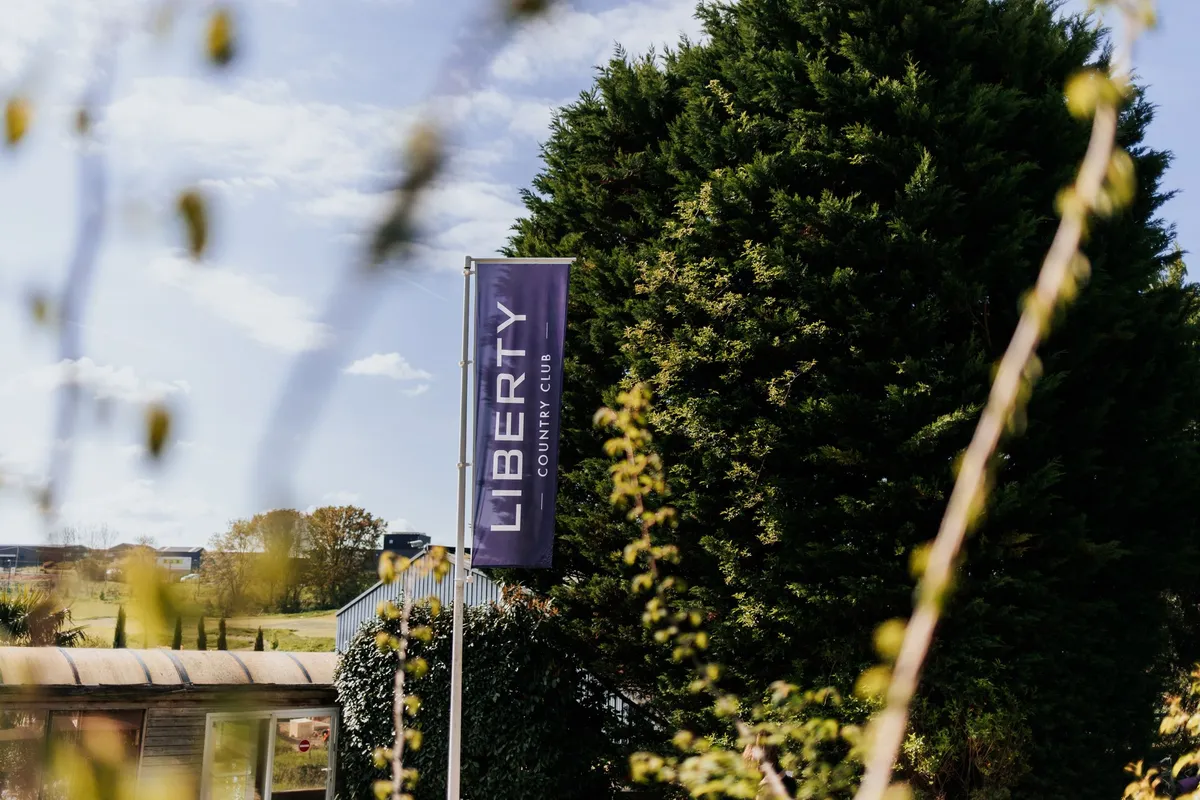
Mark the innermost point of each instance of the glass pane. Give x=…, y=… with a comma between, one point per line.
x=115, y=735
x=300, y=770
x=22, y=736
x=237, y=759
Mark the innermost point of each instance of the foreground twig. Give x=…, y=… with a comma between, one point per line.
x=1060, y=270
x=93, y=198
x=312, y=375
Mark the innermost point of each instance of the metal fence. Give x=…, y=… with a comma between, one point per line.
x=480, y=591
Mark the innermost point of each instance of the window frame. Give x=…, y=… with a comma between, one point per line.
x=272, y=716
x=47, y=712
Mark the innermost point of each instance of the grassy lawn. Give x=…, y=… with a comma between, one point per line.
x=95, y=606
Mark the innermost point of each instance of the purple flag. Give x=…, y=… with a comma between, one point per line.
x=520, y=323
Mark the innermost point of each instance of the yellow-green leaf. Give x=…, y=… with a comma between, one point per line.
x=194, y=210
x=18, y=113
x=158, y=429
x=221, y=49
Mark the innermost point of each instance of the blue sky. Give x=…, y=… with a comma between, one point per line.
x=292, y=145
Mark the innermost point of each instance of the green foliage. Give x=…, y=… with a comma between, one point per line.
x=222, y=642
x=790, y=746
x=534, y=726
x=201, y=635
x=119, y=631
x=258, y=641
x=30, y=617
x=810, y=236
x=177, y=636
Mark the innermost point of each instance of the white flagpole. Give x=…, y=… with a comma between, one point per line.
x=460, y=573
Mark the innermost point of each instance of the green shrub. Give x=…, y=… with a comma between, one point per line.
x=33, y=617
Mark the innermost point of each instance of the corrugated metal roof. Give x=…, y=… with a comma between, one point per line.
x=61, y=666
x=479, y=590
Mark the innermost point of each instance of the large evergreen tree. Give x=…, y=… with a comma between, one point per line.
x=810, y=234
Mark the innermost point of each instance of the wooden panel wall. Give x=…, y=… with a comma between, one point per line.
x=173, y=748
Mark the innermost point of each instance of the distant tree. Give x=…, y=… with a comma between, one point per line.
x=282, y=535
x=177, y=639
x=119, y=633
x=258, y=641
x=228, y=567
x=67, y=536
x=222, y=641
x=100, y=537
x=201, y=636
x=342, y=541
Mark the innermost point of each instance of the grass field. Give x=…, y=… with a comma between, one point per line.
x=94, y=605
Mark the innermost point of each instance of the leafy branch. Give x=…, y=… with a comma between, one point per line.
x=783, y=739
x=404, y=703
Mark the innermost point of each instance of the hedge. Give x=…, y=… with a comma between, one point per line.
x=535, y=725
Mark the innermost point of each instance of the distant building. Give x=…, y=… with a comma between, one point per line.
x=119, y=550
x=405, y=543
x=180, y=559
x=35, y=555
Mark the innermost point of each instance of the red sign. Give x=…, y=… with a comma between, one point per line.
x=304, y=745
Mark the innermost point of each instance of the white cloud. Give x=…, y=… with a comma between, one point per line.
x=387, y=365
x=522, y=116
x=341, y=498
x=278, y=321
x=417, y=391
x=102, y=381
x=257, y=134
x=456, y=218
x=55, y=40
x=566, y=38
x=400, y=525
x=136, y=504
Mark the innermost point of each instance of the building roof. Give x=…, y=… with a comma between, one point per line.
x=60, y=666
x=181, y=549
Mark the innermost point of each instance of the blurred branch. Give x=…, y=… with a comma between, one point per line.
x=93, y=197
x=1104, y=183
x=357, y=296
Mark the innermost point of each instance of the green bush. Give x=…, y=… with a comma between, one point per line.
x=534, y=725
x=34, y=617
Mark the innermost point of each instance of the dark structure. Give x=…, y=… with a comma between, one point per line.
x=404, y=544
x=35, y=555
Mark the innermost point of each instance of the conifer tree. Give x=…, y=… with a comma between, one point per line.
x=119, y=633
x=177, y=637
x=222, y=642
x=201, y=635
x=810, y=234
x=258, y=640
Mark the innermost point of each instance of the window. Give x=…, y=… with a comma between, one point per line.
x=236, y=769
x=301, y=759
x=115, y=734
x=286, y=755
x=22, y=736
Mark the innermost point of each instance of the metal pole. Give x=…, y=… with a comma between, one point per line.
x=460, y=574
